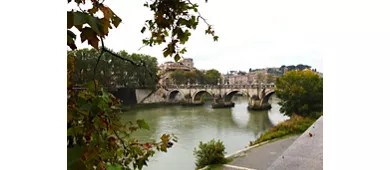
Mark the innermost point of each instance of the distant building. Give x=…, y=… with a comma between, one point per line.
x=235, y=78
x=166, y=68
x=186, y=64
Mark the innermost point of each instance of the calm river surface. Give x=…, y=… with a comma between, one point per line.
x=234, y=126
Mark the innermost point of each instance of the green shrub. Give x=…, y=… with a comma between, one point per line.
x=295, y=125
x=210, y=153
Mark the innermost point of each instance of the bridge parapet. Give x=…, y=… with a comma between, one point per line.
x=220, y=86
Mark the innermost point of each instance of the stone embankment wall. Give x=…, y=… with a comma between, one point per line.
x=150, y=96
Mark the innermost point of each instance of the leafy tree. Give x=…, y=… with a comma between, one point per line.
x=291, y=67
x=270, y=78
x=260, y=77
x=212, y=76
x=97, y=139
x=178, y=77
x=302, y=67
x=300, y=93
x=114, y=72
x=196, y=76
x=191, y=77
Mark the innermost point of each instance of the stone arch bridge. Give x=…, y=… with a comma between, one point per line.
x=176, y=93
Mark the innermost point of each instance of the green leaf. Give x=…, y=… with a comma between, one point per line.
x=184, y=50
x=105, y=96
x=70, y=36
x=116, y=21
x=166, y=53
x=80, y=18
x=90, y=85
x=177, y=57
x=95, y=24
x=75, y=130
x=107, y=155
x=113, y=167
x=215, y=38
x=143, y=29
x=69, y=19
x=142, y=124
x=74, y=155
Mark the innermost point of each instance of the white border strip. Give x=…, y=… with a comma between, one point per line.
x=237, y=167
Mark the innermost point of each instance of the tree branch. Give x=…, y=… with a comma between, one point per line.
x=200, y=16
x=132, y=62
x=94, y=69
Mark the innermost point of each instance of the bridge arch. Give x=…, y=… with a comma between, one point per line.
x=199, y=94
x=229, y=96
x=268, y=95
x=173, y=94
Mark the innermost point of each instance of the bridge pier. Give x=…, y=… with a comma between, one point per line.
x=220, y=102
x=259, y=103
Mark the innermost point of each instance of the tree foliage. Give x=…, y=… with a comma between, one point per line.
x=270, y=78
x=209, y=77
x=171, y=24
x=113, y=72
x=213, y=76
x=300, y=93
x=210, y=153
x=260, y=77
x=97, y=139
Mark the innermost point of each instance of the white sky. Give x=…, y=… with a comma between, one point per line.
x=257, y=33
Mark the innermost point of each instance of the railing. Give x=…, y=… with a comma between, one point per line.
x=220, y=86
x=201, y=87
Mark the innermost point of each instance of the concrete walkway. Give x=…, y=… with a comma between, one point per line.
x=305, y=153
x=293, y=153
x=262, y=157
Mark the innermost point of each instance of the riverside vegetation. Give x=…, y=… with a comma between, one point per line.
x=96, y=138
x=301, y=95
x=300, y=92
x=210, y=153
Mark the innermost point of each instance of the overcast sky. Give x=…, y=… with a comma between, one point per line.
x=252, y=33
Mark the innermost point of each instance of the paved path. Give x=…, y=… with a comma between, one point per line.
x=305, y=153
x=262, y=157
x=294, y=153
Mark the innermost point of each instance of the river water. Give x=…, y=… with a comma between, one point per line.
x=235, y=127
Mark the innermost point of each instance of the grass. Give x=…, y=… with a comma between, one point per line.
x=294, y=126
x=218, y=166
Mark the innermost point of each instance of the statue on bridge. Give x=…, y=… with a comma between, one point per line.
x=262, y=93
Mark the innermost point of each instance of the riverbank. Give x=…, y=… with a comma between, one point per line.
x=276, y=139
x=152, y=105
x=147, y=106
x=294, y=126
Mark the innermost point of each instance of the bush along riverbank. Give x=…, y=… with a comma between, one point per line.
x=210, y=155
x=294, y=126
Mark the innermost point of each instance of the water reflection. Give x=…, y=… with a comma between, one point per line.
x=234, y=126
x=274, y=114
